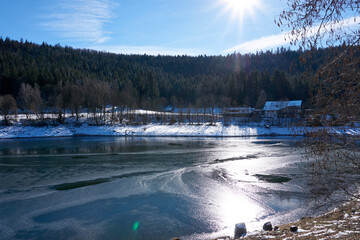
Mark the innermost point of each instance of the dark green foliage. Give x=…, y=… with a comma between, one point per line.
x=7, y=106
x=72, y=78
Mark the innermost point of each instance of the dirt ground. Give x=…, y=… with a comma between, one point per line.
x=341, y=223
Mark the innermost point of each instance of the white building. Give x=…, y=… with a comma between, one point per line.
x=283, y=109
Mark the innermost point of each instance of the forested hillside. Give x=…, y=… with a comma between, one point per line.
x=56, y=77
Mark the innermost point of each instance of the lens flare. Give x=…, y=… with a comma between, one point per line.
x=136, y=226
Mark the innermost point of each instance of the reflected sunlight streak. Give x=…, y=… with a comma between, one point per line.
x=236, y=208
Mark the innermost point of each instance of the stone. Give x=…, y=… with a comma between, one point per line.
x=267, y=226
x=293, y=229
x=240, y=230
x=276, y=228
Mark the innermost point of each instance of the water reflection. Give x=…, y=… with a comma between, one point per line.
x=235, y=208
x=186, y=187
x=256, y=183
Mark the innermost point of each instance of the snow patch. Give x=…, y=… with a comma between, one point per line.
x=202, y=130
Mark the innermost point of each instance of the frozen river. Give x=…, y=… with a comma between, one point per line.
x=147, y=188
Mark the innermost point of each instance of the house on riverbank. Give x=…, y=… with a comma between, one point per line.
x=274, y=111
x=282, y=109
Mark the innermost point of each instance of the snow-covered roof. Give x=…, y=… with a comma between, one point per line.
x=278, y=105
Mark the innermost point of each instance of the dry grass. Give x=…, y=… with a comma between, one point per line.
x=341, y=223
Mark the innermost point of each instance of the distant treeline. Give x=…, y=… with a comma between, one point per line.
x=57, y=78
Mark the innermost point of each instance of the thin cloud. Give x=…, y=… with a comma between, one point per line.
x=272, y=41
x=81, y=20
x=260, y=44
x=149, y=50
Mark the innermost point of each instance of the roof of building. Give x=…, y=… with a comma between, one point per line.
x=278, y=105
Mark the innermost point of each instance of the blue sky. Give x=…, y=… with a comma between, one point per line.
x=168, y=27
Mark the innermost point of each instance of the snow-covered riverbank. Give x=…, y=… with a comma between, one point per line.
x=25, y=127
x=149, y=130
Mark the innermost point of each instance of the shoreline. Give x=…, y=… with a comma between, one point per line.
x=339, y=223
x=218, y=130
x=21, y=127
x=155, y=136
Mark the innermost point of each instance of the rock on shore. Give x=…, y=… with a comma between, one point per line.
x=341, y=223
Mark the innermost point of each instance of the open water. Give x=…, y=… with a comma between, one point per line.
x=147, y=188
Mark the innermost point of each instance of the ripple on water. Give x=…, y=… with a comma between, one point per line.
x=80, y=184
x=273, y=178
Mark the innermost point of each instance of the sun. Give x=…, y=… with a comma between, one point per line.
x=240, y=6
x=239, y=9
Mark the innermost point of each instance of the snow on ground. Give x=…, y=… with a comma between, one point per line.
x=202, y=130
x=22, y=129
x=341, y=223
